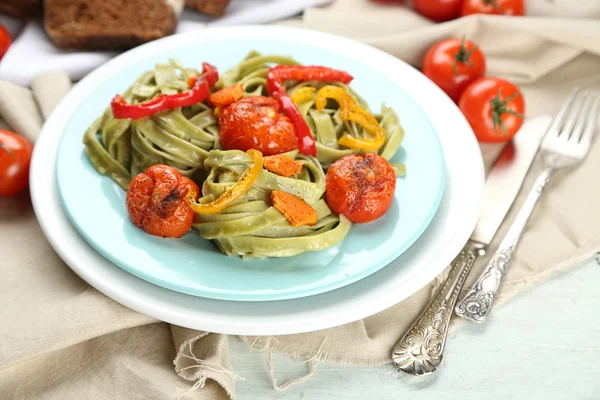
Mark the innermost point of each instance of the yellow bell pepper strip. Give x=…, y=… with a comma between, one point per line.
x=217, y=112
x=350, y=110
x=303, y=95
x=233, y=192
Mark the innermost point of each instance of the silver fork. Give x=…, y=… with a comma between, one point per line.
x=566, y=143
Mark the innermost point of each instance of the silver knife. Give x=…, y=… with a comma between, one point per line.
x=419, y=352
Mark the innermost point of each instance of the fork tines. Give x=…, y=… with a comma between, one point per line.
x=577, y=119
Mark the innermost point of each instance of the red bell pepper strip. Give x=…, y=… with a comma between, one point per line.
x=210, y=73
x=275, y=79
x=199, y=91
x=281, y=73
x=306, y=143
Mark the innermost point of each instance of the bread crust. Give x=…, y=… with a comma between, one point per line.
x=21, y=8
x=107, y=24
x=210, y=7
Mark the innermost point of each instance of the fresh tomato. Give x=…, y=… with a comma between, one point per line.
x=453, y=65
x=506, y=7
x=15, y=155
x=156, y=201
x=256, y=123
x=438, y=10
x=5, y=41
x=361, y=187
x=494, y=108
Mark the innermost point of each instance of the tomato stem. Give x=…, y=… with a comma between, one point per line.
x=9, y=151
x=494, y=3
x=463, y=55
x=500, y=107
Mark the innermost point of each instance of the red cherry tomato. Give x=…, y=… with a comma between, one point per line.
x=15, y=155
x=494, y=108
x=505, y=7
x=361, y=187
x=453, y=65
x=256, y=123
x=156, y=201
x=5, y=41
x=438, y=10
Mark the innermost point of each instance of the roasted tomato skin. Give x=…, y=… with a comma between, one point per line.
x=360, y=186
x=256, y=123
x=156, y=201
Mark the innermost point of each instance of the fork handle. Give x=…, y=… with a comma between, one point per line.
x=477, y=303
x=419, y=352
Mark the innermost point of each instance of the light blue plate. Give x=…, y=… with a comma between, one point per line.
x=96, y=205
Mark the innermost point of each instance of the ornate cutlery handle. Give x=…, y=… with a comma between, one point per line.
x=477, y=303
x=419, y=352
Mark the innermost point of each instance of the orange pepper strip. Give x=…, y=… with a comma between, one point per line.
x=226, y=96
x=282, y=165
x=350, y=110
x=233, y=192
x=294, y=209
x=303, y=95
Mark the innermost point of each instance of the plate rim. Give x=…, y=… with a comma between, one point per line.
x=157, y=304
x=115, y=67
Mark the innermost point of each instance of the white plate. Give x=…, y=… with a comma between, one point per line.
x=441, y=241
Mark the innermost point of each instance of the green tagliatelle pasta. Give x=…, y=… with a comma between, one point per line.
x=326, y=125
x=188, y=139
x=251, y=227
x=181, y=138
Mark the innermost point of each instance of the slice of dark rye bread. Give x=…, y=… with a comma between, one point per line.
x=21, y=8
x=210, y=7
x=109, y=24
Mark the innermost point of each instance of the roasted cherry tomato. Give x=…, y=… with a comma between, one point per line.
x=506, y=7
x=438, y=10
x=494, y=108
x=156, y=201
x=453, y=65
x=361, y=187
x=256, y=123
x=15, y=155
x=5, y=41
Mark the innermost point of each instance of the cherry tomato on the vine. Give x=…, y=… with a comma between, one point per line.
x=438, y=10
x=15, y=155
x=453, y=64
x=499, y=7
x=5, y=41
x=494, y=108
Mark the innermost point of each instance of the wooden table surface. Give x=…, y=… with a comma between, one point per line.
x=542, y=344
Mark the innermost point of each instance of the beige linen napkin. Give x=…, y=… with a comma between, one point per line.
x=60, y=338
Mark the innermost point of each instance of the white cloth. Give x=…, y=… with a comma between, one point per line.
x=33, y=53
